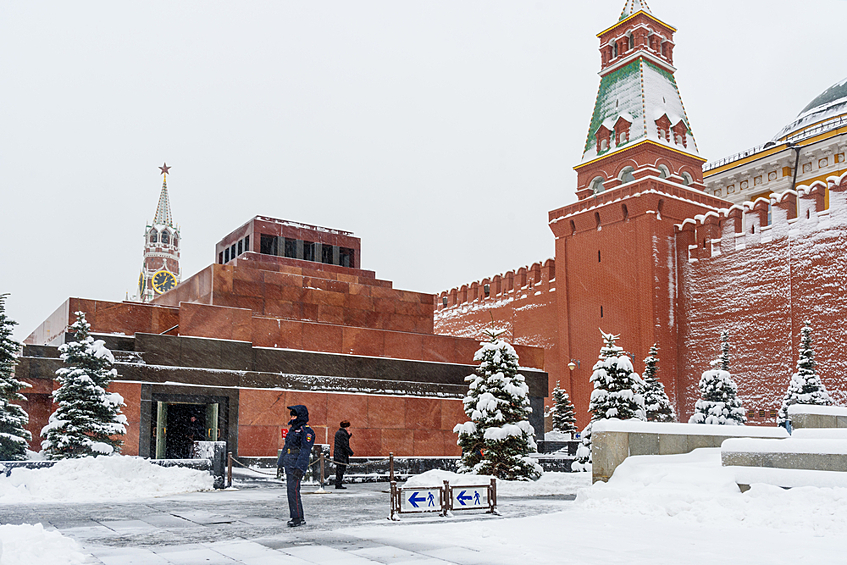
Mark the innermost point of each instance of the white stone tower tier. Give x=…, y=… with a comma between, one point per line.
x=160, y=271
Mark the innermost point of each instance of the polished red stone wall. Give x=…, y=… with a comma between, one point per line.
x=39, y=405
x=406, y=426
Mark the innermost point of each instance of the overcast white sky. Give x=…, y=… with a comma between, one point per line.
x=441, y=132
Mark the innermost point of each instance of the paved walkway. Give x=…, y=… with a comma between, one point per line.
x=247, y=526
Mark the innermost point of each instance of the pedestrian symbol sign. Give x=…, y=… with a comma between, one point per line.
x=421, y=499
x=471, y=497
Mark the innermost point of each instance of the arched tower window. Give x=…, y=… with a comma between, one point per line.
x=686, y=179
x=631, y=41
x=176, y=240
x=597, y=185
x=626, y=175
x=664, y=172
x=166, y=237
x=153, y=237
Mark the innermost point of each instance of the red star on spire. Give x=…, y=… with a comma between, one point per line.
x=165, y=168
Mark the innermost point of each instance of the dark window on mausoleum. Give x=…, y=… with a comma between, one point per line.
x=240, y=249
x=226, y=255
x=309, y=250
x=346, y=257
x=326, y=254
x=267, y=244
x=221, y=257
x=291, y=248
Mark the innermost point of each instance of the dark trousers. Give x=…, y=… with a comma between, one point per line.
x=295, y=505
x=339, y=473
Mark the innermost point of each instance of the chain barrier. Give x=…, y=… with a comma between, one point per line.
x=365, y=464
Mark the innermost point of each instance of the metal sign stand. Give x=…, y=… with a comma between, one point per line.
x=418, y=500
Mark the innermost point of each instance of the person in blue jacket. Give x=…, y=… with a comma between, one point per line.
x=295, y=460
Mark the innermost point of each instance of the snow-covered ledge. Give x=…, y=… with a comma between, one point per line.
x=612, y=441
x=808, y=416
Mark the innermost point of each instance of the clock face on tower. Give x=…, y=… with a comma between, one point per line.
x=163, y=281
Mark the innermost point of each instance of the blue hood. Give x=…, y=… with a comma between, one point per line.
x=302, y=415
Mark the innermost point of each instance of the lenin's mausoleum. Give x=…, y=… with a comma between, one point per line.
x=660, y=247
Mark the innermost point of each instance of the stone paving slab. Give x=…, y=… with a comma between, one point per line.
x=247, y=527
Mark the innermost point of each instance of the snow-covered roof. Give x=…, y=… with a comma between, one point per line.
x=640, y=92
x=831, y=104
x=633, y=7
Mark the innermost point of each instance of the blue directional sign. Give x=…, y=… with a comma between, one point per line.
x=421, y=500
x=469, y=497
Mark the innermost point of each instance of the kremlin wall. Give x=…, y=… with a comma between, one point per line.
x=651, y=250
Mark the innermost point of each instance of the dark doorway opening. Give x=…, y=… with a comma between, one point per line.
x=185, y=424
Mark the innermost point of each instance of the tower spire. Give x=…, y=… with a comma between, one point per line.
x=163, y=209
x=633, y=7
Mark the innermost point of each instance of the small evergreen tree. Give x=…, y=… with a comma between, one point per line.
x=562, y=413
x=719, y=403
x=656, y=401
x=805, y=386
x=498, y=438
x=617, y=394
x=14, y=437
x=87, y=416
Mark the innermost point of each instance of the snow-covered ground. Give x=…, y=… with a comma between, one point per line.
x=32, y=545
x=99, y=479
x=654, y=510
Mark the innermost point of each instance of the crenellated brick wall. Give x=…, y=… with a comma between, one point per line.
x=521, y=302
x=761, y=278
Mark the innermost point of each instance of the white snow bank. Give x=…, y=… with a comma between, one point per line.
x=753, y=445
x=94, y=479
x=641, y=427
x=695, y=488
x=548, y=485
x=819, y=433
x=32, y=545
x=820, y=410
x=556, y=435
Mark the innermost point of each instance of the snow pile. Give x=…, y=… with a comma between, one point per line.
x=637, y=426
x=97, y=479
x=31, y=545
x=695, y=488
x=556, y=435
x=550, y=483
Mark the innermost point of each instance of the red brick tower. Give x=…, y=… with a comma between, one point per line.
x=160, y=271
x=640, y=174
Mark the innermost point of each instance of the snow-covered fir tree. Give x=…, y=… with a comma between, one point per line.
x=87, y=417
x=562, y=412
x=14, y=437
x=498, y=438
x=657, y=405
x=617, y=394
x=805, y=386
x=719, y=403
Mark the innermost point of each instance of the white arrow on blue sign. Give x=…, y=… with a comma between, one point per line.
x=472, y=497
x=421, y=500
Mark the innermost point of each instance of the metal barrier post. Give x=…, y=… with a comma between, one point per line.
x=392, y=516
x=391, y=466
x=322, y=469
x=446, y=499
x=493, y=496
x=229, y=469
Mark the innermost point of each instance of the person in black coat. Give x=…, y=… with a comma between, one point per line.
x=295, y=460
x=341, y=452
